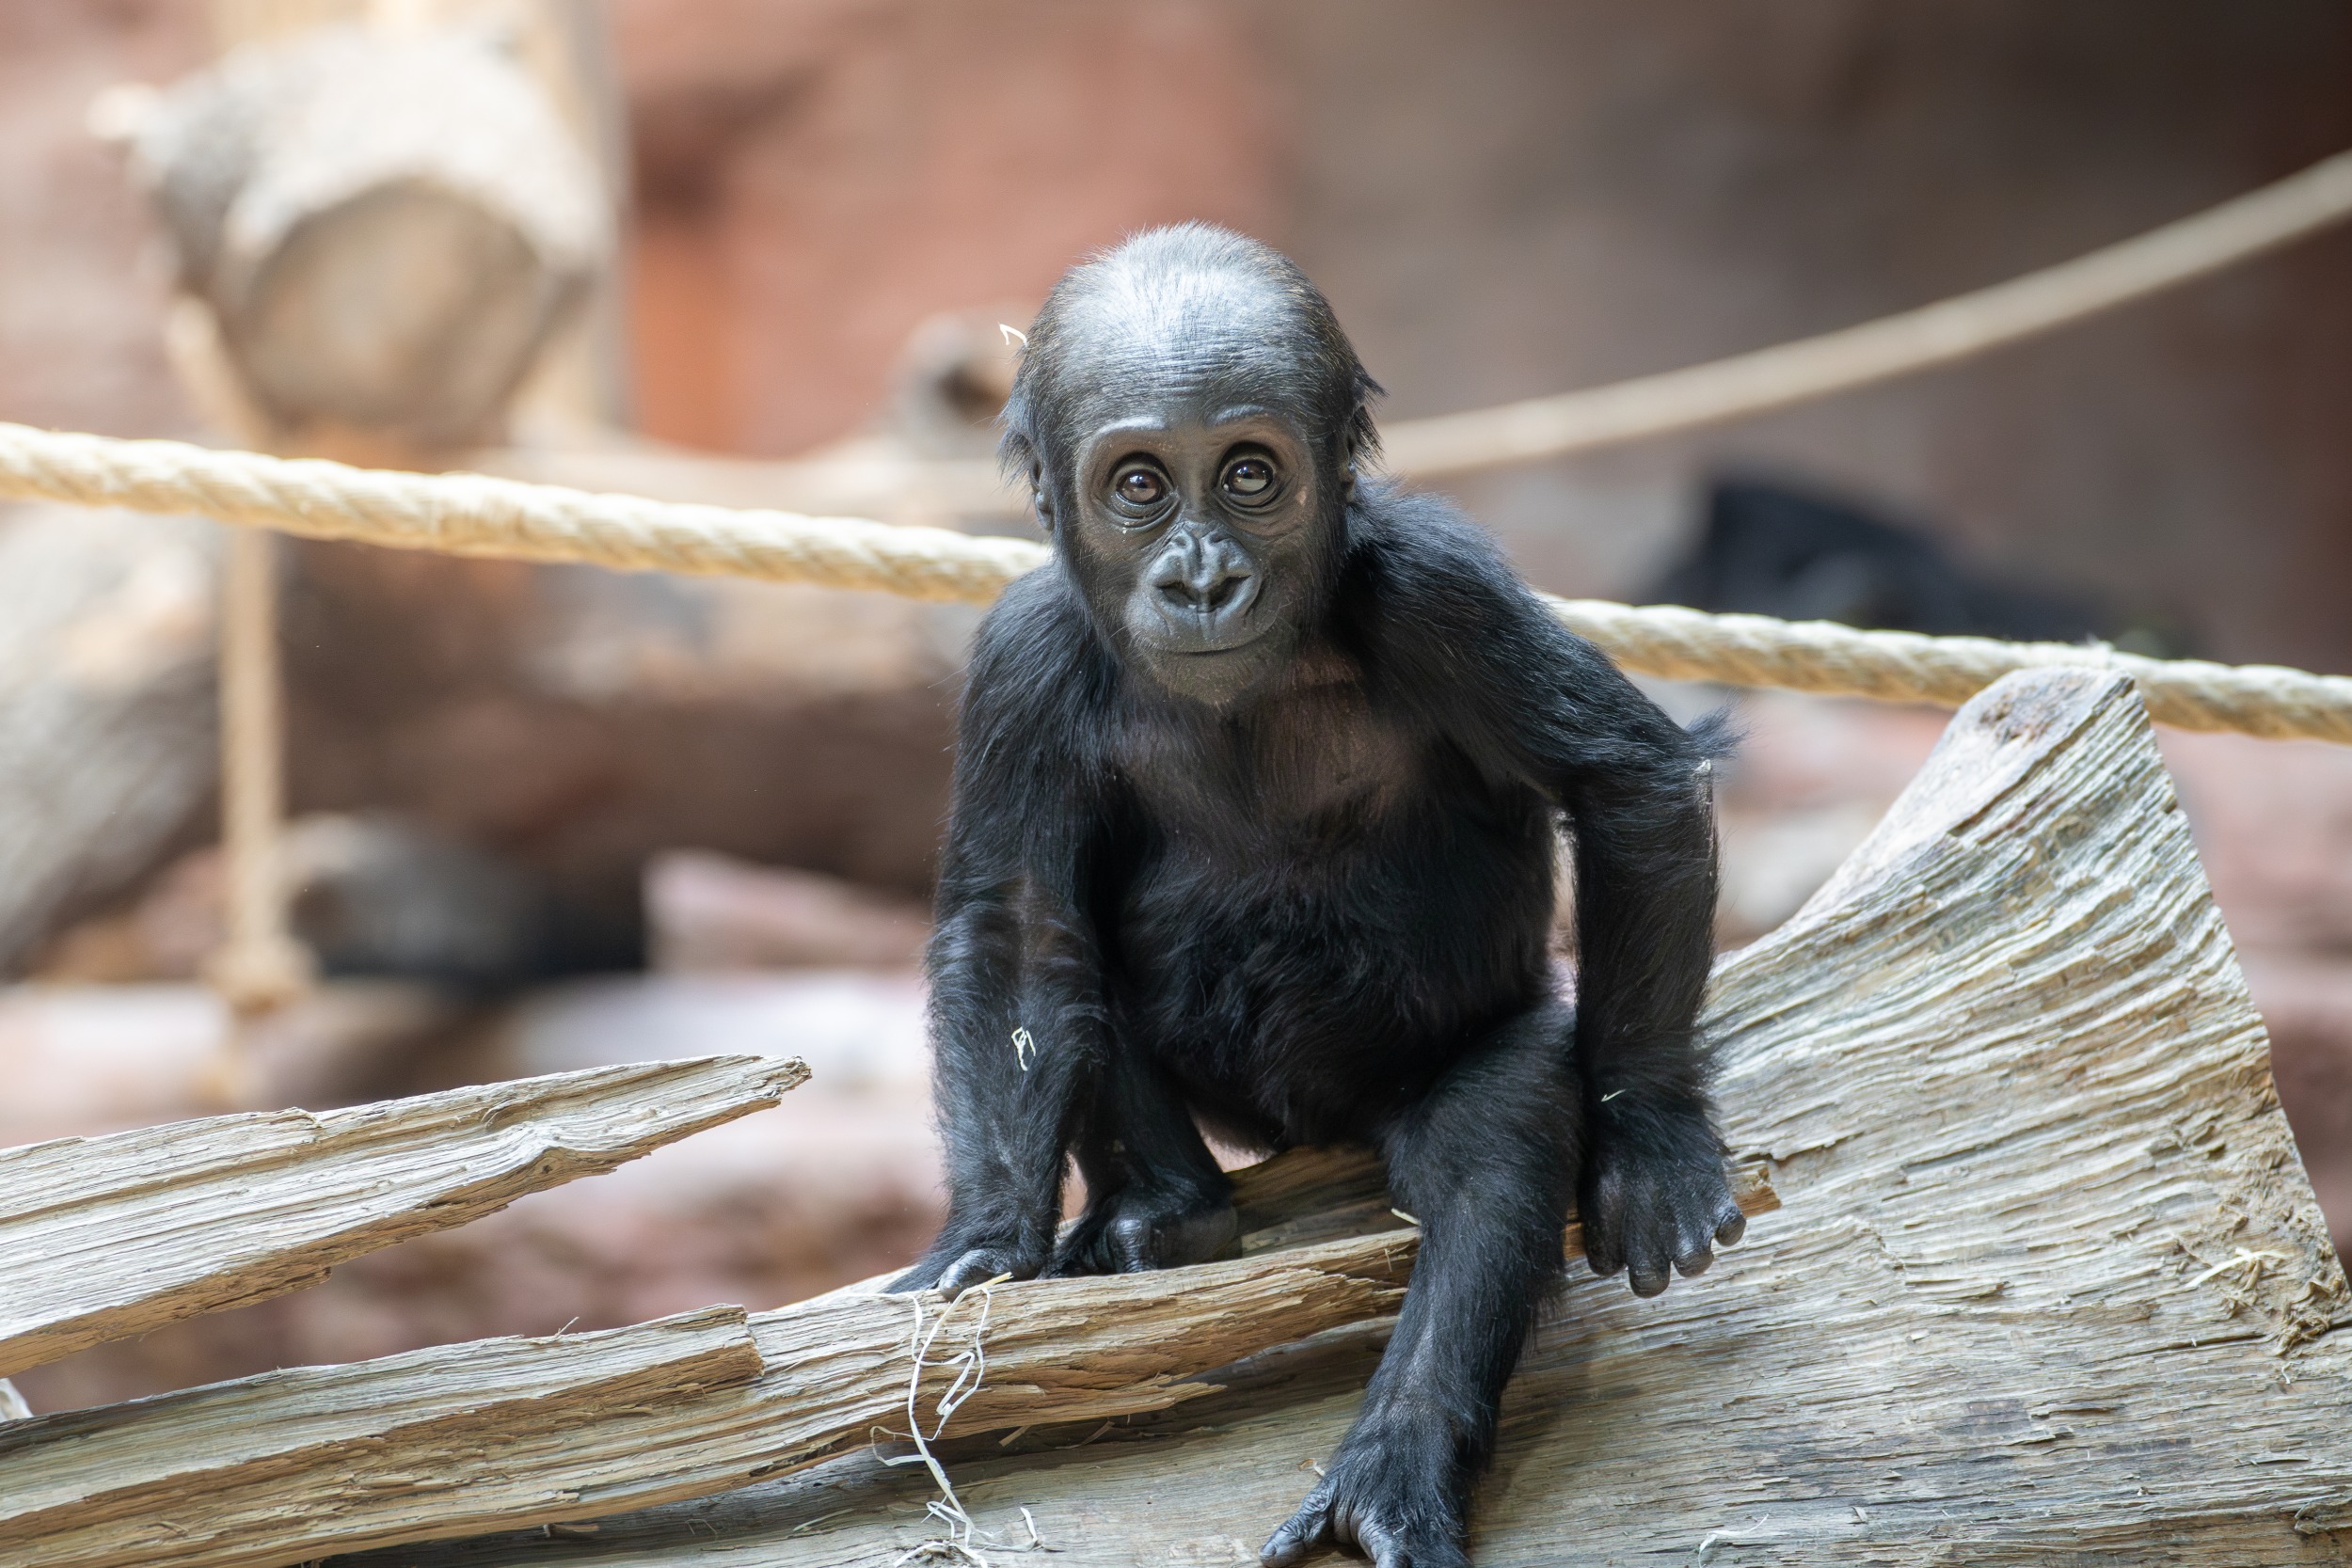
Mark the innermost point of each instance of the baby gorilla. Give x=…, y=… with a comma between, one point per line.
x=1255, y=807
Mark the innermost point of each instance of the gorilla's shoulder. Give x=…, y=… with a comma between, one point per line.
x=1036, y=654
x=1036, y=620
x=1417, y=556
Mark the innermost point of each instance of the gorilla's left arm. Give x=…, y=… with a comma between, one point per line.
x=1526, y=698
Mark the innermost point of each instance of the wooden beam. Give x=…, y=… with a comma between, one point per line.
x=2050, y=1284
x=383, y=230
x=112, y=1236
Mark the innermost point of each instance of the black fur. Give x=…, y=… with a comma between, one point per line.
x=1254, y=823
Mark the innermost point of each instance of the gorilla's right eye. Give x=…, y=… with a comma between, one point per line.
x=1139, y=487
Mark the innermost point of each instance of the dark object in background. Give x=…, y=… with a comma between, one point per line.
x=386, y=899
x=376, y=896
x=1771, y=549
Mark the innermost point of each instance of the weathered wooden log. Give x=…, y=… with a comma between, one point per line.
x=106, y=711
x=109, y=1237
x=384, y=229
x=377, y=1443
x=2050, y=1282
x=284, y=1467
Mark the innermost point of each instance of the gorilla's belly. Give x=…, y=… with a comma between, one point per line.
x=1304, y=1002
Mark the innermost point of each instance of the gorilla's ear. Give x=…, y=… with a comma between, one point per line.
x=1016, y=455
x=1040, y=503
x=1359, y=437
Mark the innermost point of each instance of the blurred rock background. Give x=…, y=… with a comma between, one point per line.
x=549, y=816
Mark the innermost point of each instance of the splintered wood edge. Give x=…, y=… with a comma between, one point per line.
x=65, y=1470
x=641, y=1106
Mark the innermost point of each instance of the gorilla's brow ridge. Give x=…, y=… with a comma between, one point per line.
x=1180, y=311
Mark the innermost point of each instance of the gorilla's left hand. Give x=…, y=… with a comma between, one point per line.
x=1654, y=1193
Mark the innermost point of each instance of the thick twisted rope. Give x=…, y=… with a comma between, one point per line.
x=468, y=514
x=472, y=514
x=2217, y=238
x=1820, y=656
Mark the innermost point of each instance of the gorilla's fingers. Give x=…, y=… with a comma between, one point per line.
x=978, y=1267
x=1303, y=1534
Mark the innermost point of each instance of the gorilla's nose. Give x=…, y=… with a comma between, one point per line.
x=1205, y=579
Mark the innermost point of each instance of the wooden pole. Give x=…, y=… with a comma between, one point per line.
x=260, y=967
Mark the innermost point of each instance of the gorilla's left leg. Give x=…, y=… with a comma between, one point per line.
x=1486, y=1163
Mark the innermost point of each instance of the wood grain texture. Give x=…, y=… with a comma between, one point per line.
x=166, y=1479
x=110, y=1237
x=287, y=1467
x=284, y=1467
x=2050, y=1284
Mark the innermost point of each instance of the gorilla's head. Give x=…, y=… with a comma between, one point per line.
x=1189, y=417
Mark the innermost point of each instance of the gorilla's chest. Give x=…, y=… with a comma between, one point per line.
x=1332, y=896
x=1291, y=780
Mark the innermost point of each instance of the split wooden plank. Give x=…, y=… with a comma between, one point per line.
x=260, y=1452
x=285, y=1467
x=110, y=1237
x=2050, y=1284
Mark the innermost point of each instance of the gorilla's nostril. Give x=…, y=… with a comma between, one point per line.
x=1222, y=592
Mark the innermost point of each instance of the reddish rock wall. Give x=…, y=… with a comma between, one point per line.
x=81, y=288
x=816, y=178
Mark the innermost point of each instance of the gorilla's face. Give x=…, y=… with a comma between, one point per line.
x=1189, y=417
x=1200, y=528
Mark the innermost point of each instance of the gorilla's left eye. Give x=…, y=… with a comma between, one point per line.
x=1248, y=479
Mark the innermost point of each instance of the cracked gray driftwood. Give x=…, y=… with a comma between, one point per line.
x=2050, y=1283
x=110, y=1237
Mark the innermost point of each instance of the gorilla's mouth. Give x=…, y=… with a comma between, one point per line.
x=1205, y=630
x=1212, y=642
